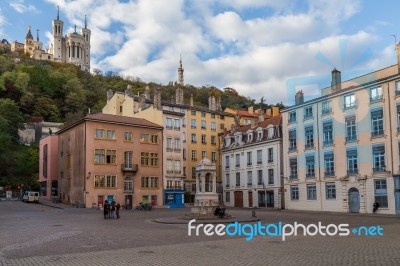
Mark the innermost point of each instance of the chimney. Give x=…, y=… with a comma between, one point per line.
x=299, y=97
x=157, y=99
x=336, y=84
x=110, y=94
x=191, y=99
x=128, y=90
x=269, y=112
x=261, y=116
x=275, y=111
x=250, y=109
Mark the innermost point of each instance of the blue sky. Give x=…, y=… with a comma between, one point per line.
x=254, y=46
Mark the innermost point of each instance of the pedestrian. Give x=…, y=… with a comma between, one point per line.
x=376, y=206
x=118, y=206
x=113, y=210
x=106, y=209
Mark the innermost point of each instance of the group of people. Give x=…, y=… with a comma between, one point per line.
x=220, y=211
x=111, y=210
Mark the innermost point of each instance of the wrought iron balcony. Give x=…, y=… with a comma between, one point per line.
x=328, y=142
x=377, y=133
x=310, y=175
x=379, y=169
x=309, y=145
x=376, y=98
x=351, y=138
x=326, y=111
x=292, y=177
x=329, y=173
x=352, y=171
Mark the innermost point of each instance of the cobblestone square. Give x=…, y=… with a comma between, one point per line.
x=35, y=234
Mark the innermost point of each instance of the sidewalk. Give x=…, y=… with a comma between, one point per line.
x=50, y=203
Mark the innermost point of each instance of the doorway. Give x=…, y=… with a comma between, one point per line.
x=250, y=199
x=238, y=199
x=128, y=202
x=100, y=201
x=261, y=198
x=397, y=193
x=354, y=200
x=270, y=199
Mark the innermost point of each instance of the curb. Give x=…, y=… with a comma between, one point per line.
x=182, y=220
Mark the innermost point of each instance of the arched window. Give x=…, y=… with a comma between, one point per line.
x=73, y=49
x=128, y=183
x=208, y=183
x=77, y=51
x=200, y=186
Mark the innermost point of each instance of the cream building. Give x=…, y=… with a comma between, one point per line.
x=342, y=149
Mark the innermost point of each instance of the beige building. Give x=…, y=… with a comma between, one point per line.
x=110, y=157
x=342, y=149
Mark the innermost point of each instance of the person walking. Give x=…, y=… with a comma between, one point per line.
x=118, y=206
x=106, y=209
x=376, y=206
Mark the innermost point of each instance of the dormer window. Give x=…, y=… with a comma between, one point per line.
x=249, y=137
x=227, y=141
x=270, y=131
x=238, y=138
x=259, y=134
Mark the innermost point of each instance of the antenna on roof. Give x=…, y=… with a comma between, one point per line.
x=395, y=41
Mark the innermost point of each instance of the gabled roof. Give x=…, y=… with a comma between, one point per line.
x=246, y=113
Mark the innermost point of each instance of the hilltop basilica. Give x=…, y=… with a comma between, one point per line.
x=72, y=48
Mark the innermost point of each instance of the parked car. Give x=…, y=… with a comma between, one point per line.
x=30, y=196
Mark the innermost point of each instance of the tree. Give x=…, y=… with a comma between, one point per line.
x=10, y=112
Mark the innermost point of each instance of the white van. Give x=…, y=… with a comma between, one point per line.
x=30, y=196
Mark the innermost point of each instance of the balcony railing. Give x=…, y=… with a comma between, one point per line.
x=249, y=163
x=259, y=162
x=309, y=146
x=177, y=128
x=260, y=183
x=168, y=127
x=129, y=168
x=193, y=126
x=379, y=169
x=352, y=172
x=193, y=141
x=237, y=165
x=292, y=177
x=249, y=184
x=292, y=149
x=349, y=106
x=291, y=120
x=398, y=129
x=226, y=166
x=376, y=98
x=169, y=149
x=177, y=150
x=308, y=116
x=203, y=127
x=270, y=160
x=397, y=92
x=351, y=138
x=227, y=186
x=310, y=175
x=328, y=142
x=326, y=111
x=329, y=173
x=170, y=172
x=377, y=133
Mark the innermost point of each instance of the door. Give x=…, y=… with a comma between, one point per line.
x=128, y=202
x=250, y=199
x=178, y=199
x=397, y=193
x=100, y=201
x=238, y=199
x=270, y=199
x=261, y=198
x=354, y=200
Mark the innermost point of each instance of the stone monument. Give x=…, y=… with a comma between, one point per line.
x=206, y=198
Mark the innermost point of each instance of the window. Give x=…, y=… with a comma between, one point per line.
x=227, y=162
x=259, y=156
x=213, y=140
x=45, y=148
x=176, y=124
x=177, y=143
x=249, y=158
x=146, y=138
x=309, y=135
x=260, y=180
x=237, y=160
x=105, y=181
x=169, y=123
x=111, y=134
x=193, y=123
x=213, y=127
x=352, y=161
x=154, y=139
x=292, y=140
x=194, y=138
x=310, y=166
x=203, y=114
x=194, y=173
x=227, y=182
x=213, y=156
x=270, y=155
x=294, y=192
x=203, y=154
x=329, y=164
x=292, y=117
x=326, y=107
x=184, y=154
x=398, y=115
x=149, y=182
x=351, y=132
x=169, y=166
x=293, y=168
x=270, y=176
x=177, y=169
x=149, y=159
x=238, y=179
x=228, y=196
x=311, y=192
x=381, y=192
x=249, y=178
x=377, y=123
x=183, y=122
x=104, y=156
x=203, y=124
x=221, y=126
x=100, y=134
x=128, y=184
x=330, y=190
x=184, y=171
x=128, y=156
x=212, y=115
x=203, y=139
x=170, y=184
x=169, y=144
x=376, y=94
x=378, y=154
x=128, y=136
x=194, y=155
x=193, y=112
x=397, y=88
x=349, y=101
x=327, y=133
x=178, y=185
x=308, y=112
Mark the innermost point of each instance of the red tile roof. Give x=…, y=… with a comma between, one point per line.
x=246, y=113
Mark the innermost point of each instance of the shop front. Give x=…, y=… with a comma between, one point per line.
x=174, y=198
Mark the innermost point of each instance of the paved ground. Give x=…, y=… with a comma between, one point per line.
x=33, y=234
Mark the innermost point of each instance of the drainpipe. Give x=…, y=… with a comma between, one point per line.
x=319, y=160
x=390, y=130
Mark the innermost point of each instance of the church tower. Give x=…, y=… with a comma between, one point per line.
x=85, y=32
x=58, y=38
x=29, y=44
x=179, y=90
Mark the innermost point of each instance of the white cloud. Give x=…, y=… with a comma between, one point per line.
x=21, y=7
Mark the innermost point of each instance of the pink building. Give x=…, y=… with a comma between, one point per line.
x=48, y=150
x=109, y=157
